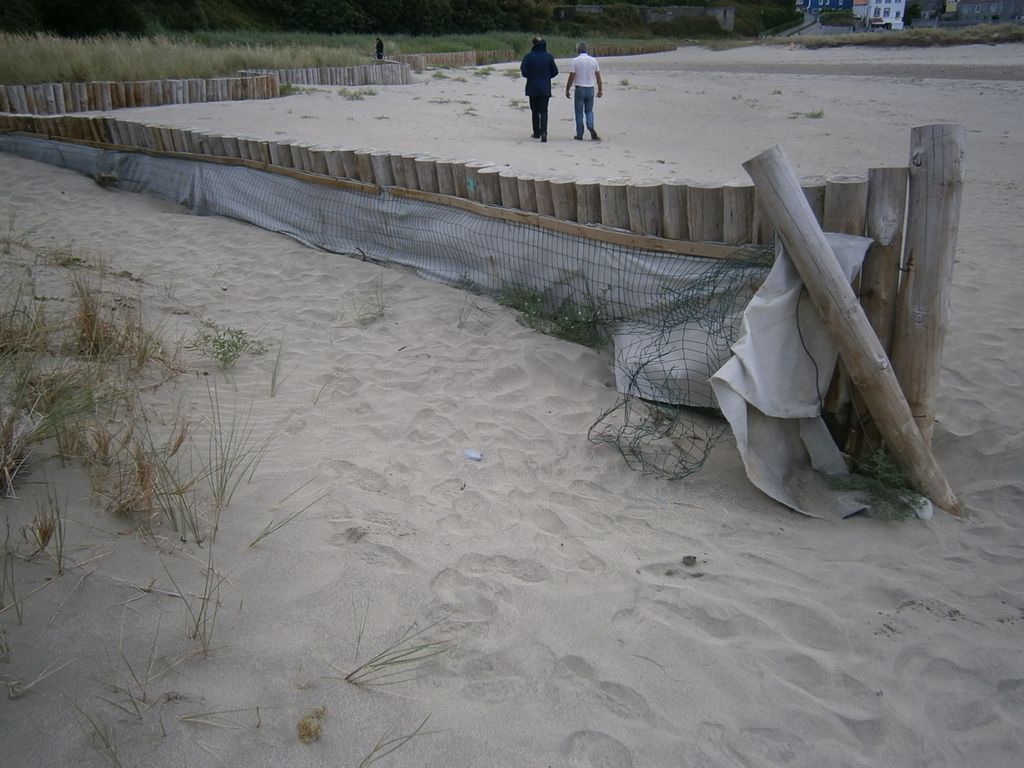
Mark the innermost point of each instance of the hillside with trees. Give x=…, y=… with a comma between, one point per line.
x=411, y=17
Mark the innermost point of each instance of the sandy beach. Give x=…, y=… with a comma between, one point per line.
x=584, y=614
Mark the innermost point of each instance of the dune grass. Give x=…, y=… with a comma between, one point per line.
x=45, y=58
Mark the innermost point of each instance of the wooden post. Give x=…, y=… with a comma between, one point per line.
x=364, y=165
x=398, y=170
x=460, y=173
x=879, y=282
x=704, y=212
x=426, y=173
x=673, y=210
x=490, y=188
x=814, y=192
x=588, y=201
x=445, y=180
x=837, y=304
x=508, y=185
x=844, y=210
x=545, y=197
x=933, y=222
x=381, y=161
x=614, y=204
x=880, y=275
x=411, y=175
x=348, y=162
x=473, y=168
x=643, y=200
x=527, y=191
x=564, y=205
x=737, y=213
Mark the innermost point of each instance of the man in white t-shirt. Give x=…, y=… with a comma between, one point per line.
x=585, y=74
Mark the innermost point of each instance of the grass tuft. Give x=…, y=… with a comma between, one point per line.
x=311, y=726
x=583, y=322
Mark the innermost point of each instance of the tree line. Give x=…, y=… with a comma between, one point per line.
x=412, y=17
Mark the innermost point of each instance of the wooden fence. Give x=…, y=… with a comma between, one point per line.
x=911, y=213
x=376, y=73
x=62, y=98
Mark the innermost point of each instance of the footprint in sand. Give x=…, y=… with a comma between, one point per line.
x=593, y=749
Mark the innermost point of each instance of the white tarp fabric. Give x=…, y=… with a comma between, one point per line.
x=771, y=390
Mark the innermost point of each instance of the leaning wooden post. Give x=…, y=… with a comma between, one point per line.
x=779, y=190
x=933, y=220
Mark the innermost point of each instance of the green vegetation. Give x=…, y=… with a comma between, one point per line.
x=883, y=485
x=836, y=19
x=225, y=344
x=582, y=322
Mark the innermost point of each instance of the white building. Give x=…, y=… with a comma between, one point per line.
x=886, y=14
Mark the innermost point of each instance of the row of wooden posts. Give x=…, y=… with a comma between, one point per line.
x=911, y=213
x=377, y=73
x=62, y=98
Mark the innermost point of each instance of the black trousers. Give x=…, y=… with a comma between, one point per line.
x=539, y=112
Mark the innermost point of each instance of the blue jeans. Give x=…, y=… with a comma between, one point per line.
x=583, y=102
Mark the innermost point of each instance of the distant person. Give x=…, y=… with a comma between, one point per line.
x=585, y=74
x=539, y=68
x=380, y=48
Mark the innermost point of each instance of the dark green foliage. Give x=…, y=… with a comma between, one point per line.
x=884, y=487
x=384, y=17
x=836, y=19
x=690, y=26
x=19, y=16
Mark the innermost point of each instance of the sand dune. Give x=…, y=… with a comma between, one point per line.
x=578, y=636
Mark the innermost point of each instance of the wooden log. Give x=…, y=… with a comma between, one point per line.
x=508, y=186
x=923, y=306
x=274, y=150
x=364, y=165
x=814, y=192
x=318, y=159
x=844, y=209
x=473, y=168
x=460, y=178
x=167, y=138
x=737, y=213
x=704, y=214
x=846, y=200
x=426, y=173
x=564, y=204
x=178, y=140
x=284, y=155
x=545, y=197
x=445, y=178
x=526, y=189
x=30, y=100
x=673, y=210
x=51, y=99
x=409, y=170
x=643, y=199
x=5, y=102
x=398, y=170
x=382, y=172
x=588, y=201
x=614, y=203
x=880, y=275
x=305, y=157
x=879, y=283
x=348, y=162
x=761, y=229
x=840, y=311
x=488, y=180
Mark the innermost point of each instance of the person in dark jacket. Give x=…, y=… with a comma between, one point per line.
x=379, y=48
x=539, y=68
